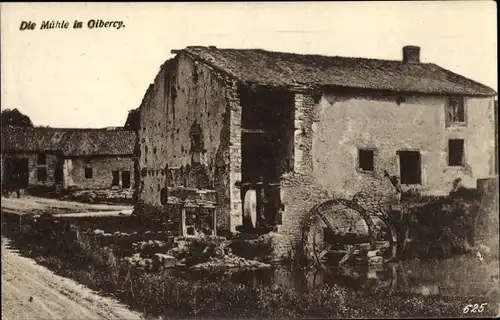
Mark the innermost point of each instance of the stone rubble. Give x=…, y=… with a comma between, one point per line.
x=230, y=261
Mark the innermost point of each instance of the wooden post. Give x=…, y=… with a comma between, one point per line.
x=183, y=221
x=214, y=221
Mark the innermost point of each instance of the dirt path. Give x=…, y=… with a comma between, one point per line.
x=53, y=297
x=35, y=205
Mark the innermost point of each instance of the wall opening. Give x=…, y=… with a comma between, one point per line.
x=455, y=110
x=163, y=196
x=41, y=174
x=41, y=159
x=267, y=138
x=116, y=179
x=410, y=167
x=196, y=136
x=58, y=171
x=16, y=173
x=126, y=179
x=366, y=159
x=456, y=152
x=89, y=173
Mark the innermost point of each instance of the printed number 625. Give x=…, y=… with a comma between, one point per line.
x=474, y=308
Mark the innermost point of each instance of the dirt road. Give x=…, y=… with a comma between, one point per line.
x=52, y=296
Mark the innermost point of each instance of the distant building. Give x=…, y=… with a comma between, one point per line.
x=52, y=158
x=306, y=127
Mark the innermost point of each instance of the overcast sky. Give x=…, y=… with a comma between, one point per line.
x=92, y=77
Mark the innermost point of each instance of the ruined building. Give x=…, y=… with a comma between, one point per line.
x=302, y=128
x=56, y=158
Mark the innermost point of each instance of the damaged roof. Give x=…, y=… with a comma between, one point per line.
x=279, y=69
x=69, y=142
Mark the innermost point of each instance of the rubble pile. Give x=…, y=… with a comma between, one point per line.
x=103, y=195
x=230, y=261
x=204, y=253
x=210, y=253
x=139, y=262
x=153, y=244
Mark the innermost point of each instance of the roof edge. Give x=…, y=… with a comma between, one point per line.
x=491, y=93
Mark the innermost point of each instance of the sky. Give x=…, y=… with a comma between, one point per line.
x=92, y=77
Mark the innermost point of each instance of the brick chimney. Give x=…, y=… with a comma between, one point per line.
x=411, y=54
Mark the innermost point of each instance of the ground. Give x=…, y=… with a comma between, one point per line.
x=52, y=297
x=35, y=205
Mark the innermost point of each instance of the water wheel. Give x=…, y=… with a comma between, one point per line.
x=250, y=209
x=338, y=229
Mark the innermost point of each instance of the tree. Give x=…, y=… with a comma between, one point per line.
x=15, y=118
x=133, y=120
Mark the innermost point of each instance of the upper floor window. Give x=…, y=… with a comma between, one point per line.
x=196, y=142
x=455, y=111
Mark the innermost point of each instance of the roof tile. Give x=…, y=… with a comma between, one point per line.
x=70, y=142
x=280, y=69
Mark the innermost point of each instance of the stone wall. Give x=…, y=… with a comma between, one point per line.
x=188, y=95
x=346, y=123
x=50, y=167
x=102, y=168
x=329, y=131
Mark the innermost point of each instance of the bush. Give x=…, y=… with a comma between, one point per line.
x=439, y=226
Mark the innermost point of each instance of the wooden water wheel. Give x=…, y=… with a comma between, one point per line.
x=338, y=229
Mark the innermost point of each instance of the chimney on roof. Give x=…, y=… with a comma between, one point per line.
x=411, y=54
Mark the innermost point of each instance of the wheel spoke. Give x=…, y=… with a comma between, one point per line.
x=325, y=251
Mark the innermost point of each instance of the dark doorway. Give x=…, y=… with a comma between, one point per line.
x=410, y=167
x=125, y=179
x=58, y=173
x=260, y=157
x=116, y=178
x=267, y=147
x=16, y=173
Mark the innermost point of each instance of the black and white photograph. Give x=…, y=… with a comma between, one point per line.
x=249, y=160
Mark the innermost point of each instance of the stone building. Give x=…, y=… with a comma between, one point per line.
x=306, y=128
x=50, y=158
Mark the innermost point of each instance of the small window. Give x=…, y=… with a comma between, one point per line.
x=456, y=152
x=88, y=173
x=42, y=159
x=366, y=159
x=42, y=174
x=456, y=110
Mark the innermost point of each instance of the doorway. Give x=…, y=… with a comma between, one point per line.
x=410, y=167
x=16, y=173
x=125, y=179
x=115, y=182
x=267, y=140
